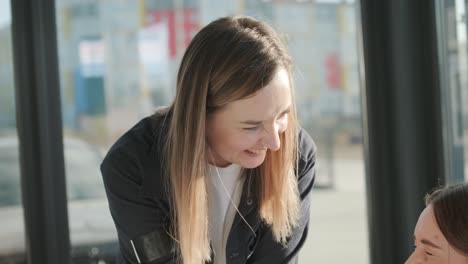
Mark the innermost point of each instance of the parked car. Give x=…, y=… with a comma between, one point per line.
x=92, y=232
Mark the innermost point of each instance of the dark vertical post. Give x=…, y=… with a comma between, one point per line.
x=40, y=131
x=402, y=120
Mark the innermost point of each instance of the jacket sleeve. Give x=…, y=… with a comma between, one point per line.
x=267, y=249
x=140, y=219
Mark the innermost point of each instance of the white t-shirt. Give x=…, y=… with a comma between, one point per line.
x=221, y=211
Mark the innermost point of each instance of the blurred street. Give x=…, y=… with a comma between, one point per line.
x=338, y=225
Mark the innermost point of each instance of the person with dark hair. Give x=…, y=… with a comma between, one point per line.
x=441, y=234
x=224, y=173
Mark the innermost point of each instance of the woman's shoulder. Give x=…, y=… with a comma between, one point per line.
x=137, y=154
x=141, y=139
x=306, y=161
x=306, y=145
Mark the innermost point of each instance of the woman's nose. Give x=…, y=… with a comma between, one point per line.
x=272, y=139
x=414, y=259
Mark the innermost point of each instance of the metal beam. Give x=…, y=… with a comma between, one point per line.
x=402, y=120
x=40, y=131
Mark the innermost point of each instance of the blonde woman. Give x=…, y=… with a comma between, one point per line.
x=224, y=174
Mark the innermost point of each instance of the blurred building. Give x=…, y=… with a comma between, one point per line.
x=7, y=90
x=119, y=59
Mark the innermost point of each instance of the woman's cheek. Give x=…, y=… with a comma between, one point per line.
x=248, y=140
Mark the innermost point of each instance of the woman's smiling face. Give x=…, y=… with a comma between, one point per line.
x=430, y=245
x=244, y=130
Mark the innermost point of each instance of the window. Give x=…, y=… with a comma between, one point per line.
x=452, y=37
x=11, y=209
x=118, y=62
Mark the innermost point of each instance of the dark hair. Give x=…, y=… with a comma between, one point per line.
x=450, y=206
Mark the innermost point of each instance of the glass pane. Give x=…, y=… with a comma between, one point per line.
x=81, y=52
x=323, y=42
x=115, y=71
x=11, y=209
x=452, y=37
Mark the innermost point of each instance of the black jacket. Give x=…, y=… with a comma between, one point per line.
x=138, y=202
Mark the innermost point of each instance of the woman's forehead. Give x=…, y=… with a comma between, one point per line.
x=270, y=100
x=427, y=228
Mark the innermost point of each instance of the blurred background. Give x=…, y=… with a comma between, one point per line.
x=118, y=62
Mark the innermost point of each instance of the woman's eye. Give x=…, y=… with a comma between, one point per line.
x=283, y=115
x=428, y=253
x=252, y=128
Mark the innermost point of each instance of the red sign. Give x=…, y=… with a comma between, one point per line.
x=333, y=71
x=189, y=23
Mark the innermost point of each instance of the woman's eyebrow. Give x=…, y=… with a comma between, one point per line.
x=252, y=122
x=430, y=243
x=256, y=122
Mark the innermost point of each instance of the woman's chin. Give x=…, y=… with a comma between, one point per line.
x=252, y=160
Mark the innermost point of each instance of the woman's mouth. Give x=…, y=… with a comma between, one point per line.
x=256, y=151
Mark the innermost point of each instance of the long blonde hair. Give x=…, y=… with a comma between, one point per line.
x=230, y=59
